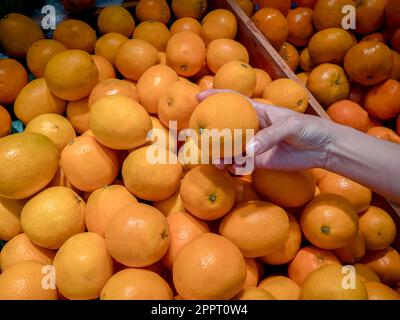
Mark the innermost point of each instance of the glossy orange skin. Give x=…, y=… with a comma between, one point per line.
x=383, y=100
x=369, y=62
x=350, y=114
x=273, y=25
x=328, y=13
x=384, y=133
x=377, y=36
x=301, y=27
x=370, y=15
x=13, y=77
x=281, y=5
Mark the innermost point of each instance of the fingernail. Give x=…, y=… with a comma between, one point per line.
x=253, y=147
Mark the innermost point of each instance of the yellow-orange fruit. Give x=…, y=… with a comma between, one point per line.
x=207, y=193
x=103, y=204
x=220, y=276
x=32, y=166
x=24, y=281
x=83, y=266
x=186, y=53
x=78, y=115
x=116, y=19
x=153, y=83
x=329, y=221
x=108, y=44
x=215, y=112
x=10, y=212
x=88, y=165
x=326, y=283
x=134, y=57
x=36, y=99
x=282, y=288
x=237, y=76
x=287, y=252
x=20, y=249
x=138, y=235
x=18, y=33
x=257, y=228
x=287, y=189
x=152, y=173
x=153, y=32
x=218, y=24
x=254, y=293
x=53, y=216
x=183, y=229
x=75, y=34
x=119, y=122
x=39, y=54
x=75, y=82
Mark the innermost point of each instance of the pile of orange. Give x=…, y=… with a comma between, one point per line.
x=354, y=73
x=96, y=197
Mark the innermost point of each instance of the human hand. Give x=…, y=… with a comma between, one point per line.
x=288, y=140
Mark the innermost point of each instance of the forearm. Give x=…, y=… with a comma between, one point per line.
x=371, y=162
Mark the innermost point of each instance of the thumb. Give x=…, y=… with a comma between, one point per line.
x=268, y=138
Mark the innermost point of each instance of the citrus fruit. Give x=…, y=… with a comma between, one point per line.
x=273, y=25
x=218, y=24
x=134, y=57
x=103, y=204
x=329, y=221
x=137, y=235
x=207, y=192
x=185, y=24
x=301, y=27
x=77, y=113
x=136, y=284
x=358, y=195
x=82, y=266
x=288, y=189
x=18, y=33
x=263, y=78
x=153, y=32
x=24, y=281
x=119, y=122
x=152, y=173
x=108, y=44
x=172, y=204
x=88, y=165
x=116, y=19
x=328, y=83
x=5, y=122
x=368, y=62
x=32, y=166
x=75, y=34
x=10, y=212
x=377, y=228
x=75, y=82
x=353, y=251
x=210, y=267
x=53, y=216
x=189, y=8
x=104, y=67
x=379, y=291
x=290, y=55
x=349, y=113
x=282, y=288
x=13, y=78
x=328, y=283
x=308, y=259
x=20, y=249
x=39, y=54
x=257, y=228
x=237, y=76
x=177, y=103
x=186, y=53
x=328, y=13
x=288, y=250
x=54, y=126
x=296, y=97
x=153, y=83
x=254, y=293
x=221, y=51
x=157, y=10
x=183, y=229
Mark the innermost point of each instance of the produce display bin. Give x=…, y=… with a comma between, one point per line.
x=263, y=55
